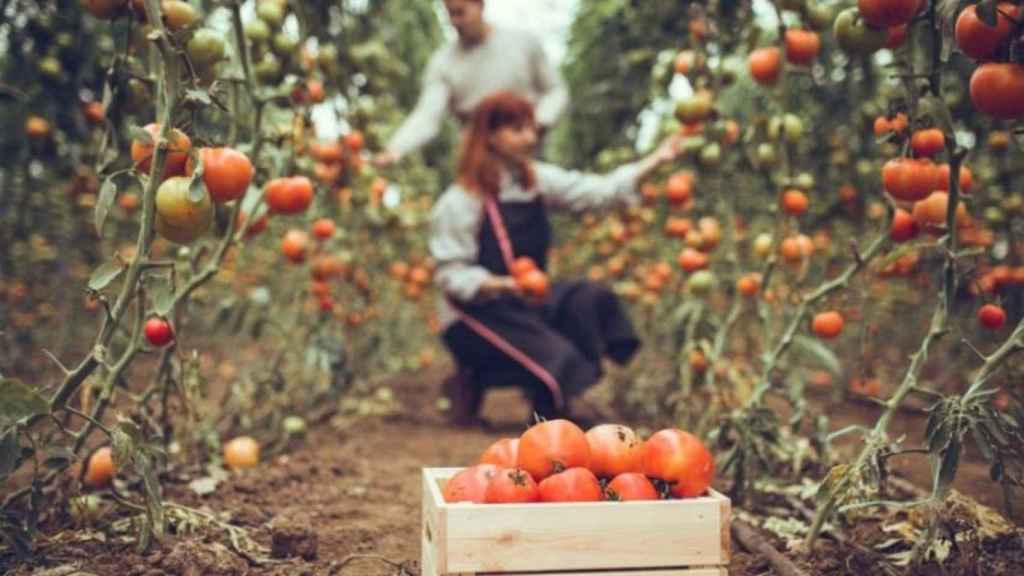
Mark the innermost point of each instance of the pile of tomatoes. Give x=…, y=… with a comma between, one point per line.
x=556, y=461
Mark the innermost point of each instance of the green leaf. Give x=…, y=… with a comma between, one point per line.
x=10, y=453
x=996, y=471
x=197, y=98
x=162, y=293
x=108, y=192
x=948, y=465
x=104, y=275
x=982, y=442
x=18, y=402
x=815, y=350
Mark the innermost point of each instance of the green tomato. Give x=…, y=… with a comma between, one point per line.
x=268, y=69
x=711, y=155
x=694, y=109
x=766, y=155
x=1013, y=203
x=294, y=425
x=284, y=45
x=50, y=67
x=206, y=47
x=792, y=128
x=804, y=181
x=817, y=16
x=257, y=30
x=270, y=12
x=995, y=215
x=855, y=36
x=701, y=282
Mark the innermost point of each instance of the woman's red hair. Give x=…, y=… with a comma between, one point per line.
x=479, y=168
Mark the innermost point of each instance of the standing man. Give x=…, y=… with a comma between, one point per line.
x=483, y=60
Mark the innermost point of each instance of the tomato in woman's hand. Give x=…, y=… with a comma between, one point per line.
x=552, y=446
x=573, y=485
x=631, y=486
x=502, y=453
x=681, y=459
x=511, y=485
x=614, y=449
x=470, y=484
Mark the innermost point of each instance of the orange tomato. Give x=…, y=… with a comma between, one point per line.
x=802, y=46
x=614, y=449
x=765, y=65
x=827, y=324
x=100, y=469
x=631, y=486
x=680, y=459
x=503, y=453
x=552, y=446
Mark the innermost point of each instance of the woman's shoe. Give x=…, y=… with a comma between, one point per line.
x=464, y=397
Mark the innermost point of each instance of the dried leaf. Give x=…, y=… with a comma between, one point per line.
x=204, y=486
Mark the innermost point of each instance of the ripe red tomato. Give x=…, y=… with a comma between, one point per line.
x=323, y=228
x=996, y=88
x=679, y=187
x=802, y=46
x=503, y=453
x=903, y=226
x=614, y=450
x=573, y=485
x=158, y=332
x=470, y=485
x=511, y=485
x=226, y=173
x=979, y=40
x=928, y=142
x=631, y=486
x=886, y=13
x=552, y=446
x=681, y=459
x=827, y=324
x=992, y=316
x=765, y=65
x=289, y=195
x=522, y=266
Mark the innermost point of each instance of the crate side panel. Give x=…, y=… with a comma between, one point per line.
x=509, y=538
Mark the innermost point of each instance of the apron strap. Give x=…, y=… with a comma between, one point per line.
x=500, y=232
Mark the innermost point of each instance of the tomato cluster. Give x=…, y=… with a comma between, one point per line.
x=556, y=461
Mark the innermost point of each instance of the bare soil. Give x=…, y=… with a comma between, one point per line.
x=347, y=501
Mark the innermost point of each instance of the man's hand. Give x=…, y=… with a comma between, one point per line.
x=384, y=159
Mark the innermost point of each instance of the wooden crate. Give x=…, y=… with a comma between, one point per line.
x=659, y=538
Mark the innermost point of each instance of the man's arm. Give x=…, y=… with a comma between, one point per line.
x=553, y=93
x=424, y=123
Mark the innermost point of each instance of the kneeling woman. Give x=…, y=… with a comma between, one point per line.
x=496, y=213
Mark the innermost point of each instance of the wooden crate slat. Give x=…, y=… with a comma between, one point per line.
x=573, y=539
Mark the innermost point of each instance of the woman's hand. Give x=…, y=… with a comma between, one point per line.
x=667, y=151
x=497, y=285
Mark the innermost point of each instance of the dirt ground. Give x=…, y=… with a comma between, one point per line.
x=347, y=501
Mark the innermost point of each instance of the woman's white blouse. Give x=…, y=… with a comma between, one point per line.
x=458, y=215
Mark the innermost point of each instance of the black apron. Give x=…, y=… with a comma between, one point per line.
x=554, y=349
